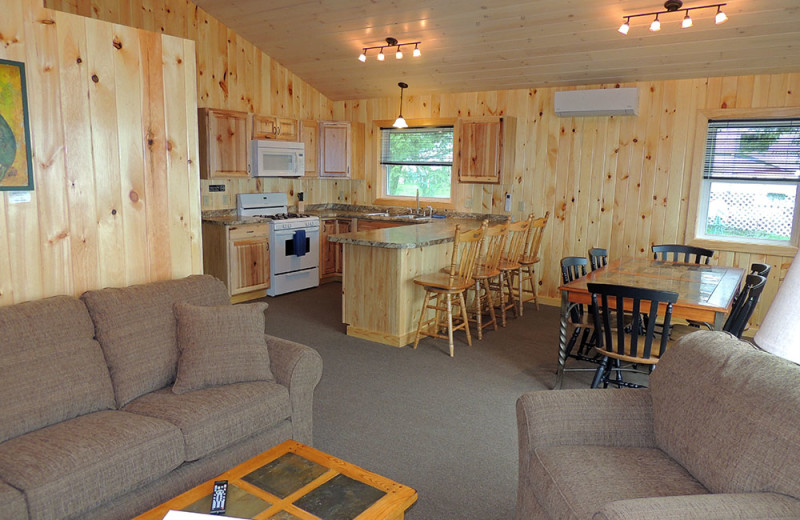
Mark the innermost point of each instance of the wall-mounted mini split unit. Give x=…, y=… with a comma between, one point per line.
x=597, y=102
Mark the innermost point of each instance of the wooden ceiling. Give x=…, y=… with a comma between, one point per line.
x=479, y=45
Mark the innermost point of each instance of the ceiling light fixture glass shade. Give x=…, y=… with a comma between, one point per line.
x=672, y=6
x=416, y=52
x=363, y=57
x=400, y=122
x=398, y=54
x=381, y=56
x=391, y=43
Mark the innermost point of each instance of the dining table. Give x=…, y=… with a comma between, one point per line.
x=705, y=292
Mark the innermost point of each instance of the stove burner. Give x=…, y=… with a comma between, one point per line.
x=285, y=216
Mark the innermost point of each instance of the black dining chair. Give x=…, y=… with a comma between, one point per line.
x=634, y=346
x=598, y=258
x=572, y=268
x=760, y=269
x=682, y=253
x=745, y=305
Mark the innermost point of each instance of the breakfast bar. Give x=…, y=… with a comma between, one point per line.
x=380, y=301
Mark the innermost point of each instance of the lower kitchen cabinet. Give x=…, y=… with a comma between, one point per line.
x=332, y=257
x=239, y=256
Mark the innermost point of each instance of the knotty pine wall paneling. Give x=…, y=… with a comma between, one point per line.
x=114, y=138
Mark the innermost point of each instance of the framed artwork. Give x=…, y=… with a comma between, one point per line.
x=16, y=168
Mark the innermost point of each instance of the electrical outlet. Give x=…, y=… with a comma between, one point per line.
x=508, y=202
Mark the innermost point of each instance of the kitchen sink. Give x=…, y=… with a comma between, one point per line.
x=413, y=217
x=379, y=214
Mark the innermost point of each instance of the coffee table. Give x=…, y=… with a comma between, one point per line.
x=294, y=481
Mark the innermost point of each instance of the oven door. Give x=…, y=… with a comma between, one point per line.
x=294, y=249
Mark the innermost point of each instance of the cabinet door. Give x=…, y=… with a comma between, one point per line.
x=334, y=148
x=287, y=129
x=342, y=226
x=249, y=264
x=223, y=143
x=480, y=150
x=308, y=135
x=265, y=127
x=328, y=260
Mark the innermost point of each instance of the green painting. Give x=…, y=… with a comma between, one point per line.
x=16, y=169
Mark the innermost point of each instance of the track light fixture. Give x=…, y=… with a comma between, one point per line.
x=391, y=43
x=672, y=6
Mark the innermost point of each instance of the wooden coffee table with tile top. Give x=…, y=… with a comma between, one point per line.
x=294, y=481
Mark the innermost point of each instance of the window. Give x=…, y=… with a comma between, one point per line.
x=751, y=173
x=417, y=159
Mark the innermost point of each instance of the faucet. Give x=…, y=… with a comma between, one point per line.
x=417, y=212
x=430, y=211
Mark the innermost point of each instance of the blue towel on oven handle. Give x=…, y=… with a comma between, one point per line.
x=299, y=240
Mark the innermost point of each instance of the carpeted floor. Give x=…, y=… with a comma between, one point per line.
x=444, y=426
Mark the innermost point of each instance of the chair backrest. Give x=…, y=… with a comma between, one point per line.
x=637, y=342
x=760, y=269
x=534, y=241
x=572, y=268
x=744, y=305
x=515, y=243
x=494, y=241
x=682, y=253
x=466, y=245
x=598, y=257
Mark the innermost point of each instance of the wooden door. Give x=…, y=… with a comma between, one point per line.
x=334, y=148
x=480, y=150
x=224, y=141
x=328, y=249
x=308, y=135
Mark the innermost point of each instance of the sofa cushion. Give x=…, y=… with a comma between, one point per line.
x=13, y=503
x=575, y=481
x=728, y=413
x=221, y=345
x=219, y=416
x=72, y=466
x=35, y=390
x=136, y=328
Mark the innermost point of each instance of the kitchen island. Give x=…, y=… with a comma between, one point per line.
x=380, y=301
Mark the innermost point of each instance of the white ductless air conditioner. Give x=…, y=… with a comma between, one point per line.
x=597, y=102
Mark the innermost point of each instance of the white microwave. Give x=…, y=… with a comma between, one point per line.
x=276, y=158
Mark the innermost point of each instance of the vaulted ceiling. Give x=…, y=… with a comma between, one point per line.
x=476, y=45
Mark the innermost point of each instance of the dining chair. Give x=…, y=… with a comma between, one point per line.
x=598, y=258
x=760, y=269
x=526, y=275
x=682, y=253
x=572, y=268
x=486, y=269
x=444, y=290
x=745, y=305
x=618, y=344
x=509, y=264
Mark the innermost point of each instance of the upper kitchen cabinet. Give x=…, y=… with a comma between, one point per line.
x=223, y=143
x=309, y=133
x=335, y=148
x=272, y=127
x=485, y=148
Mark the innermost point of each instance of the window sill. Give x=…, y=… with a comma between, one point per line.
x=745, y=247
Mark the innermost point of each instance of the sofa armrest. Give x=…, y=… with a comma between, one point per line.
x=753, y=506
x=298, y=368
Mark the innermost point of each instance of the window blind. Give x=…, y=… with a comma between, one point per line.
x=417, y=146
x=765, y=150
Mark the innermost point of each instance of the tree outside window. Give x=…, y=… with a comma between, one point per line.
x=417, y=159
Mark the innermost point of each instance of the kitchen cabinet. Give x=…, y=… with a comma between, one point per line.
x=331, y=253
x=335, y=148
x=273, y=127
x=223, y=142
x=239, y=256
x=482, y=153
x=308, y=135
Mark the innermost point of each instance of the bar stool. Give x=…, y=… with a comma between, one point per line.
x=494, y=240
x=530, y=257
x=508, y=266
x=445, y=289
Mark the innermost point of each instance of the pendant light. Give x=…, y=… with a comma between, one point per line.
x=400, y=122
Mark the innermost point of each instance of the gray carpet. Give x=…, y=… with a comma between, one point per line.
x=444, y=426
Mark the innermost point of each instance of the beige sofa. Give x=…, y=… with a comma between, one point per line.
x=716, y=436
x=90, y=426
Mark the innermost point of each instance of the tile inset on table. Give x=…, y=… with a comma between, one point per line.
x=341, y=498
x=285, y=475
x=240, y=504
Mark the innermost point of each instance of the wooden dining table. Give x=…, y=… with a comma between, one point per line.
x=705, y=292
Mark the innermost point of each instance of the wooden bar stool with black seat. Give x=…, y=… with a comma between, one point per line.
x=444, y=290
x=526, y=279
x=635, y=345
x=509, y=264
x=682, y=253
x=494, y=239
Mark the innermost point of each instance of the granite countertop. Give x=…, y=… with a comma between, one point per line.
x=233, y=219
x=438, y=231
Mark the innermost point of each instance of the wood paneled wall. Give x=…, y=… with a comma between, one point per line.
x=620, y=183
x=113, y=124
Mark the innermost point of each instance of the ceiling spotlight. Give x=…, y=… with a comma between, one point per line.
x=381, y=56
x=672, y=6
x=721, y=17
x=390, y=43
x=363, y=57
x=656, y=25
x=398, y=54
x=416, y=52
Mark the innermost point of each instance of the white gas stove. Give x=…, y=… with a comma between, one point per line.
x=293, y=241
